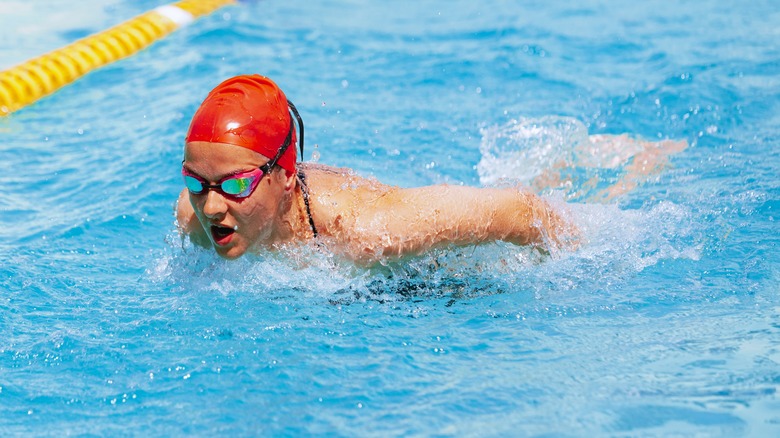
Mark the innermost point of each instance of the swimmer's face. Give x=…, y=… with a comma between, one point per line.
x=235, y=225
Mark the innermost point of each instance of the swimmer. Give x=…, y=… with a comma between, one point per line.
x=246, y=192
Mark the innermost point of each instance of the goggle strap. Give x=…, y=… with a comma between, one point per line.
x=300, y=125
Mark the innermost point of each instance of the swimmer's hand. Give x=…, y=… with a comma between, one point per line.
x=638, y=160
x=650, y=159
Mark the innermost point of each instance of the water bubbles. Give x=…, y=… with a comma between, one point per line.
x=523, y=149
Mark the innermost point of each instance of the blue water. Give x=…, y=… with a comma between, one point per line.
x=665, y=322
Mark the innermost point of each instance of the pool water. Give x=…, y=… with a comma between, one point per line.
x=666, y=321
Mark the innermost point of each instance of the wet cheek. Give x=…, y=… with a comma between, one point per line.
x=197, y=206
x=246, y=213
x=197, y=202
x=256, y=220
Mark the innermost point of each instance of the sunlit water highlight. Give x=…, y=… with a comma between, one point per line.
x=665, y=321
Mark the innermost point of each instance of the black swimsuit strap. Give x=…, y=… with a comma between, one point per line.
x=305, y=192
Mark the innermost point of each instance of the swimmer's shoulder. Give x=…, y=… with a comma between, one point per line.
x=337, y=192
x=188, y=222
x=184, y=212
x=329, y=179
x=323, y=172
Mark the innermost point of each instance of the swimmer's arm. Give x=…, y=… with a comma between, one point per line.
x=188, y=223
x=411, y=221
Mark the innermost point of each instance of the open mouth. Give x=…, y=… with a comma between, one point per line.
x=222, y=235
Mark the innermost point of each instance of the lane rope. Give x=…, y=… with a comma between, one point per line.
x=27, y=82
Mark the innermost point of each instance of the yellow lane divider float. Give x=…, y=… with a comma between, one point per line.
x=41, y=76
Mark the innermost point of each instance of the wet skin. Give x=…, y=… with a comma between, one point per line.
x=358, y=218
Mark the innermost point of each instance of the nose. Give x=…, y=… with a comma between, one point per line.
x=215, y=205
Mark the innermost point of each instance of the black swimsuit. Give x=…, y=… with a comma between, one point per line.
x=305, y=192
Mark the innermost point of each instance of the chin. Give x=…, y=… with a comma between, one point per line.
x=230, y=253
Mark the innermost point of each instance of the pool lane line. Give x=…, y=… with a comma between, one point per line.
x=27, y=82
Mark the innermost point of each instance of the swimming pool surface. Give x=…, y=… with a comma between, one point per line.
x=665, y=322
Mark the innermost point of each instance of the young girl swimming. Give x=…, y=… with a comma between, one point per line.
x=246, y=192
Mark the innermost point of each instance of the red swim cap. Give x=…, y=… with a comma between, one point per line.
x=248, y=111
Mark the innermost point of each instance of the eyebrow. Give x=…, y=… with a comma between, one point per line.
x=220, y=177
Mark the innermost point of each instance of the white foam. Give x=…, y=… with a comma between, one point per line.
x=522, y=149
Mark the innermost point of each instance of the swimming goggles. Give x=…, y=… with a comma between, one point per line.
x=243, y=184
x=235, y=186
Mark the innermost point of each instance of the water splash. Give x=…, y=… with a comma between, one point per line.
x=522, y=149
x=556, y=154
x=618, y=244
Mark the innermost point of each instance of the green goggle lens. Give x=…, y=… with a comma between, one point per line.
x=237, y=186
